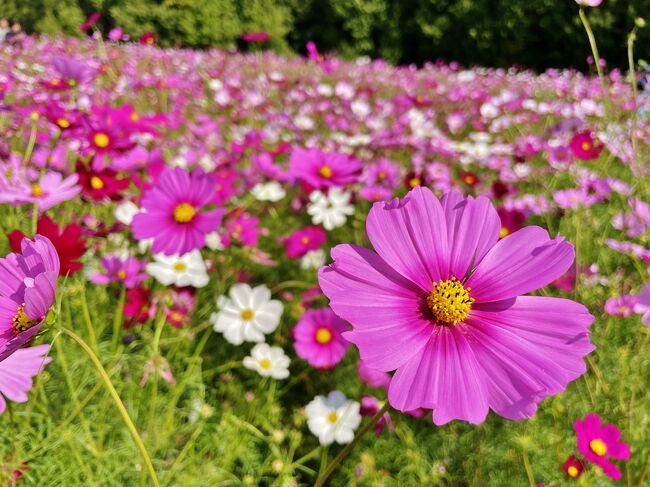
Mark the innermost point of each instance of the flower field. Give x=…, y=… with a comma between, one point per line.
x=228, y=269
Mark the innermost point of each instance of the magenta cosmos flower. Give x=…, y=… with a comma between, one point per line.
x=130, y=271
x=440, y=303
x=175, y=214
x=322, y=169
x=599, y=442
x=317, y=338
x=16, y=373
x=27, y=287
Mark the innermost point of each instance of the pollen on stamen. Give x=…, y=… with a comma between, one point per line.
x=449, y=302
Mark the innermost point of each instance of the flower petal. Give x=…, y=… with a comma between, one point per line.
x=522, y=262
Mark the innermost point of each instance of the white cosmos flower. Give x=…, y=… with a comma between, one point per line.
x=247, y=315
x=271, y=191
x=333, y=418
x=330, y=210
x=268, y=361
x=314, y=259
x=184, y=270
x=124, y=212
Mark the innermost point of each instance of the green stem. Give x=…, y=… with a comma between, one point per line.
x=529, y=470
x=350, y=446
x=118, y=403
x=117, y=320
x=30, y=144
x=594, y=49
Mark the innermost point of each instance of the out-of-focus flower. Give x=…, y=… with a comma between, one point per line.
x=371, y=406
x=322, y=170
x=333, y=418
x=573, y=467
x=185, y=270
x=584, y=146
x=330, y=210
x=303, y=240
x=17, y=370
x=268, y=361
x=620, y=305
x=271, y=191
x=317, y=338
x=129, y=271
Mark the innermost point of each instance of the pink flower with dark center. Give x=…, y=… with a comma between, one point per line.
x=584, y=146
x=598, y=443
x=176, y=213
x=27, y=287
x=440, y=302
x=318, y=340
x=130, y=271
x=17, y=370
x=302, y=241
x=323, y=170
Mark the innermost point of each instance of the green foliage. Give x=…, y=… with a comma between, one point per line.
x=537, y=34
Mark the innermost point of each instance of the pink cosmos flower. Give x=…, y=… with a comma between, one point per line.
x=16, y=373
x=129, y=271
x=175, y=214
x=589, y=3
x=620, y=305
x=318, y=340
x=323, y=170
x=642, y=304
x=302, y=241
x=372, y=377
x=241, y=228
x=48, y=191
x=584, y=146
x=440, y=302
x=27, y=286
x=598, y=443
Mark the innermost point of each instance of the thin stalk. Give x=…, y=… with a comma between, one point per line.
x=529, y=470
x=350, y=446
x=594, y=49
x=117, y=320
x=118, y=403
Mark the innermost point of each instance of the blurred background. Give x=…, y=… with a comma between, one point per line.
x=536, y=34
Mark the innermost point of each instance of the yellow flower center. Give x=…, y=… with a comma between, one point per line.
x=135, y=117
x=176, y=316
x=573, y=471
x=184, y=213
x=381, y=176
x=585, y=146
x=449, y=301
x=121, y=274
x=333, y=417
x=55, y=82
x=21, y=321
x=72, y=82
x=37, y=191
x=304, y=240
x=265, y=363
x=247, y=314
x=101, y=140
x=598, y=447
x=323, y=335
x=63, y=123
x=96, y=182
x=413, y=182
x=180, y=266
x=325, y=171
x=504, y=232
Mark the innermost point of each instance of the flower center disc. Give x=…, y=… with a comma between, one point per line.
x=265, y=364
x=332, y=417
x=184, y=213
x=323, y=336
x=21, y=321
x=449, y=302
x=96, y=182
x=101, y=140
x=247, y=314
x=325, y=171
x=598, y=447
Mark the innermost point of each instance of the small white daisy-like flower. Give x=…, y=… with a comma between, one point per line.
x=184, y=270
x=213, y=241
x=314, y=259
x=268, y=361
x=271, y=191
x=247, y=315
x=330, y=210
x=333, y=418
